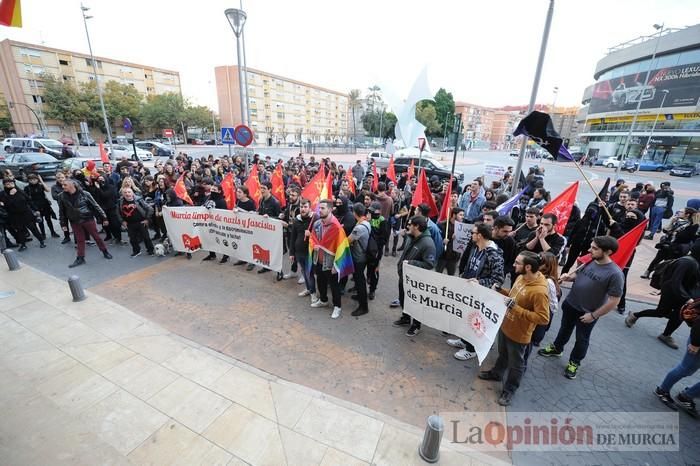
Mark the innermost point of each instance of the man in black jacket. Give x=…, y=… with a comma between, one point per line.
x=105, y=193
x=79, y=208
x=21, y=214
x=299, y=248
x=420, y=251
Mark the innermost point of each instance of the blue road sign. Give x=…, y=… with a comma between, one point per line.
x=228, y=136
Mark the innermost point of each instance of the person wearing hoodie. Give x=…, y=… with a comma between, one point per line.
x=433, y=229
x=299, y=248
x=681, y=284
x=528, y=307
x=341, y=211
x=484, y=265
x=661, y=208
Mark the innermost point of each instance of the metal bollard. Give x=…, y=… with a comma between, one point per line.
x=11, y=258
x=429, y=449
x=76, y=289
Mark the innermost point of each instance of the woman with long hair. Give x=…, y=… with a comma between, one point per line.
x=550, y=269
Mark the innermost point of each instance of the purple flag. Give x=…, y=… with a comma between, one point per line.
x=564, y=152
x=506, y=207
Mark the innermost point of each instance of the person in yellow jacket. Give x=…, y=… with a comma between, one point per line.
x=528, y=307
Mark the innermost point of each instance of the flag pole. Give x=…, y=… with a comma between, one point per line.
x=535, y=85
x=594, y=191
x=457, y=128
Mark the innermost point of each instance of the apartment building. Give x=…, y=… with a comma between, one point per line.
x=283, y=110
x=22, y=66
x=477, y=122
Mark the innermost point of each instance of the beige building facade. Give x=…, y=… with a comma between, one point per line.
x=283, y=110
x=22, y=66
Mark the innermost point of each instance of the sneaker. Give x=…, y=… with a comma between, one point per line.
x=370, y=296
x=319, y=303
x=456, y=343
x=395, y=303
x=505, y=398
x=571, y=370
x=687, y=404
x=336, y=312
x=402, y=322
x=645, y=274
x=412, y=331
x=22, y=247
x=488, y=375
x=78, y=261
x=304, y=293
x=549, y=351
x=359, y=312
x=630, y=319
x=223, y=260
x=106, y=255
x=239, y=263
x=210, y=257
x=301, y=280
x=263, y=270
x=287, y=276
x=42, y=244
x=668, y=341
x=138, y=253
x=621, y=311
x=464, y=355
x=250, y=267
x=665, y=398
x=314, y=299
x=66, y=241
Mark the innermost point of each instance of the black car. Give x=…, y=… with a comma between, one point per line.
x=161, y=150
x=24, y=163
x=431, y=166
x=685, y=169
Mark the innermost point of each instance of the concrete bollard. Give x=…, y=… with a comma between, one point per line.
x=76, y=289
x=429, y=449
x=11, y=258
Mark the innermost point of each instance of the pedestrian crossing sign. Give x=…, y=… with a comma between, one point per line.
x=228, y=136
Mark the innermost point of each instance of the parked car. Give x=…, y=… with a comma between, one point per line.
x=195, y=141
x=128, y=151
x=431, y=166
x=161, y=150
x=685, y=169
x=448, y=149
x=87, y=141
x=48, y=146
x=78, y=163
x=66, y=140
x=514, y=153
x=610, y=162
x=632, y=165
x=378, y=157
x=24, y=163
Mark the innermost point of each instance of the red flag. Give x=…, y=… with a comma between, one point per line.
x=328, y=191
x=446, y=203
x=627, y=243
x=351, y=180
x=391, y=171
x=278, y=185
x=411, y=170
x=181, y=190
x=314, y=188
x=561, y=207
x=375, y=178
x=11, y=13
x=228, y=189
x=103, y=153
x=253, y=185
x=424, y=196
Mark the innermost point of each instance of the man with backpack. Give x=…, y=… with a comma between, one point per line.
x=380, y=237
x=679, y=283
x=359, y=241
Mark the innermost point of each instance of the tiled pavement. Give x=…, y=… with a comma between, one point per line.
x=94, y=383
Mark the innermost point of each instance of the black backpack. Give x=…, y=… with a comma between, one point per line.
x=661, y=273
x=372, y=252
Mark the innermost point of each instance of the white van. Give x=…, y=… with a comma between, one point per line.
x=49, y=146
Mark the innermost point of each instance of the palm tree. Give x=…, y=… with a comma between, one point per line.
x=354, y=102
x=373, y=96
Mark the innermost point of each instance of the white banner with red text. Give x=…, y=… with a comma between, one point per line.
x=454, y=305
x=241, y=235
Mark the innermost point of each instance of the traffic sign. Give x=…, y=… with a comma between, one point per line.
x=421, y=144
x=243, y=135
x=168, y=133
x=228, y=135
x=128, y=128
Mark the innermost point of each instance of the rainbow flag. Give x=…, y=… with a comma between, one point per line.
x=334, y=242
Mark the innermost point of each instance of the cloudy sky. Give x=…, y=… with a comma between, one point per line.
x=484, y=52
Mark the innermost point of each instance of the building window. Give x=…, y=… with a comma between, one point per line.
x=63, y=62
x=30, y=53
x=36, y=99
x=98, y=63
x=280, y=115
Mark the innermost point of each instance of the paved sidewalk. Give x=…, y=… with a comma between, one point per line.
x=94, y=383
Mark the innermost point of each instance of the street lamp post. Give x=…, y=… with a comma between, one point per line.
x=97, y=81
x=659, y=28
x=236, y=19
x=653, y=127
x=12, y=105
x=245, y=73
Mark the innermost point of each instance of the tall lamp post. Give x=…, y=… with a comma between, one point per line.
x=653, y=127
x=236, y=18
x=97, y=81
x=659, y=28
x=12, y=105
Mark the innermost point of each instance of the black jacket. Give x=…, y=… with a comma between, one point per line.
x=79, y=207
x=298, y=244
x=419, y=252
x=681, y=282
x=269, y=207
x=19, y=208
x=131, y=215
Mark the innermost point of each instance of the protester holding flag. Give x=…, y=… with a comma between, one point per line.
x=545, y=238
x=596, y=290
x=449, y=257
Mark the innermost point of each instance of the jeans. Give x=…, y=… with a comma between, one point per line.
x=414, y=323
x=358, y=277
x=511, y=358
x=688, y=366
x=82, y=231
x=569, y=322
x=656, y=216
x=324, y=279
x=307, y=273
x=540, y=330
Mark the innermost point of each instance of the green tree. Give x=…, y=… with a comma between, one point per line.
x=197, y=116
x=63, y=101
x=162, y=111
x=374, y=96
x=445, y=108
x=427, y=116
x=5, y=120
x=354, y=103
x=371, y=121
x=122, y=101
x=90, y=100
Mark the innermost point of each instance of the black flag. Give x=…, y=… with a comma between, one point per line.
x=538, y=126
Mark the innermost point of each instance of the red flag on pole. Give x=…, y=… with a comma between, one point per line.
x=424, y=196
x=278, y=185
x=351, y=180
x=328, y=192
x=391, y=171
x=375, y=178
x=627, y=243
x=313, y=189
x=561, y=207
x=103, y=153
x=253, y=185
x=228, y=189
x=181, y=190
x=446, y=203
x=411, y=170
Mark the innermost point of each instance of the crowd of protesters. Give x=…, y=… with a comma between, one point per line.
x=517, y=252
